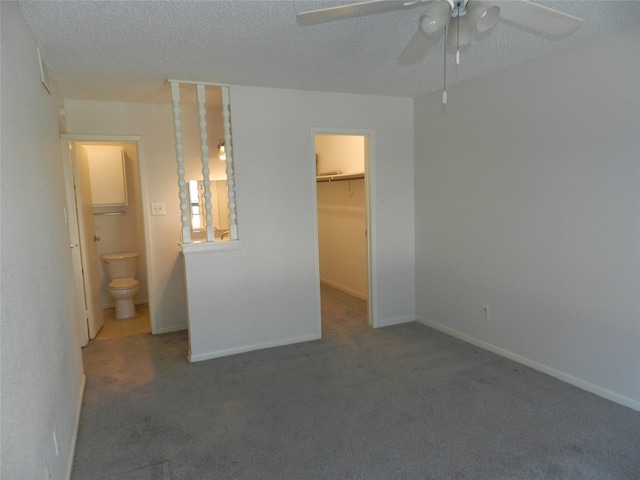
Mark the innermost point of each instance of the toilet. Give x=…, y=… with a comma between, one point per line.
x=123, y=287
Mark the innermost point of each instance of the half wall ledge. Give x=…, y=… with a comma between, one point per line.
x=210, y=247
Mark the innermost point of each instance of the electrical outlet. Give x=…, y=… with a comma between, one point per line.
x=485, y=311
x=158, y=208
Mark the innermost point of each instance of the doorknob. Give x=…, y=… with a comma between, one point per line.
x=96, y=239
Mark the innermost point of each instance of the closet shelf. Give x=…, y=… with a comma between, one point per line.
x=339, y=177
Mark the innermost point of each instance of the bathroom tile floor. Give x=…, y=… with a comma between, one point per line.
x=114, y=328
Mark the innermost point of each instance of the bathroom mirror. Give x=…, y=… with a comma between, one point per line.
x=219, y=208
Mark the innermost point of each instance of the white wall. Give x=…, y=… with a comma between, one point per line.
x=266, y=292
x=528, y=201
x=342, y=239
x=42, y=378
x=158, y=170
x=342, y=214
x=343, y=153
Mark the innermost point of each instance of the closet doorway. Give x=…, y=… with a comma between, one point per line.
x=343, y=226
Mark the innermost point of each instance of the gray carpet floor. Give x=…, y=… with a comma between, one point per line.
x=402, y=402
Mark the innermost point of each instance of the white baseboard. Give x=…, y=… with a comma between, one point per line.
x=565, y=377
x=74, y=438
x=141, y=301
x=173, y=328
x=248, y=348
x=387, y=322
x=342, y=288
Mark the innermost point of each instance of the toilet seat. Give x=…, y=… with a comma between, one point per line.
x=123, y=283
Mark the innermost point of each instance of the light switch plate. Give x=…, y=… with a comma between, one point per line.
x=158, y=208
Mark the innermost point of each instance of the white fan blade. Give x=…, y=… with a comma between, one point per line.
x=417, y=48
x=362, y=8
x=430, y=26
x=537, y=17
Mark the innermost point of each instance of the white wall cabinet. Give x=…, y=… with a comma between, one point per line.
x=108, y=177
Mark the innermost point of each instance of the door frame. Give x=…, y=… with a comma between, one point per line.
x=369, y=185
x=138, y=141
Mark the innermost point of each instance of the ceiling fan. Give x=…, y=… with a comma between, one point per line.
x=458, y=18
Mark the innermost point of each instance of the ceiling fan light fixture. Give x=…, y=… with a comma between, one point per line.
x=436, y=17
x=222, y=151
x=458, y=18
x=458, y=39
x=482, y=15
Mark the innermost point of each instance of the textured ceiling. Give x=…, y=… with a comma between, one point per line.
x=125, y=51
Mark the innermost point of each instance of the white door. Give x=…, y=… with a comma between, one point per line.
x=74, y=238
x=88, y=238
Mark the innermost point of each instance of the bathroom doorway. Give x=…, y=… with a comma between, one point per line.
x=105, y=227
x=342, y=227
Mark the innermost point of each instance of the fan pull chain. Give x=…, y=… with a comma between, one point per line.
x=458, y=36
x=444, y=89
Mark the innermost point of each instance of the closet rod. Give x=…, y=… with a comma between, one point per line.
x=337, y=178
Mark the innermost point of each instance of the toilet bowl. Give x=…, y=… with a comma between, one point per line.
x=123, y=287
x=123, y=291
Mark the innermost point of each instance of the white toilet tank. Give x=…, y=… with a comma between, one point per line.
x=120, y=265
